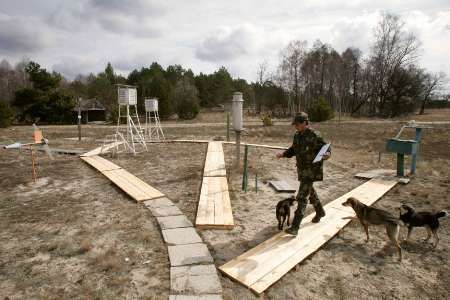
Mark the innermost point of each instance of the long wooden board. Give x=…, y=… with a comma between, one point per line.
x=283, y=186
x=102, y=149
x=214, y=208
x=133, y=186
x=259, y=145
x=100, y=163
x=225, y=142
x=215, y=147
x=265, y=264
x=214, y=164
x=130, y=184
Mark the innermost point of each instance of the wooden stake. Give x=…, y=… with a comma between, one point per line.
x=79, y=119
x=33, y=164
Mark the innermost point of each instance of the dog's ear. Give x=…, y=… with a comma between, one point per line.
x=352, y=200
x=407, y=207
x=347, y=202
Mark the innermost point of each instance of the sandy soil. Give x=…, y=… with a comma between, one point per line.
x=69, y=235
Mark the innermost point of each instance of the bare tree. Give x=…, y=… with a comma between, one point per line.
x=351, y=77
x=292, y=58
x=393, y=49
x=12, y=79
x=262, y=72
x=431, y=84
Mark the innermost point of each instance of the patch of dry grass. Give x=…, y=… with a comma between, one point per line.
x=107, y=261
x=85, y=246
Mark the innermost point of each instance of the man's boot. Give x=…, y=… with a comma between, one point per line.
x=295, y=225
x=319, y=212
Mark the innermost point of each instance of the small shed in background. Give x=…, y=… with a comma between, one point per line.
x=91, y=111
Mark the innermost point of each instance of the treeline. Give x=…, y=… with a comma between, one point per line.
x=386, y=82
x=36, y=94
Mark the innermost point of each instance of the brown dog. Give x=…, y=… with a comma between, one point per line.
x=375, y=216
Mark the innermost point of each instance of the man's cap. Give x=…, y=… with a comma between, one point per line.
x=300, y=118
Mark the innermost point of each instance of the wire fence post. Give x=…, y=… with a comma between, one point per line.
x=79, y=119
x=228, y=126
x=245, y=173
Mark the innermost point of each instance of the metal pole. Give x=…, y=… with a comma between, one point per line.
x=128, y=121
x=238, y=148
x=414, y=155
x=340, y=109
x=245, y=175
x=79, y=119
x=228, y=126
x=400, y=164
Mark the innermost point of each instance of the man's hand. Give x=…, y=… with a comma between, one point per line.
x=279, y=155
x=326, y=156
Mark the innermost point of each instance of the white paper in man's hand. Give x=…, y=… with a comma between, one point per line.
x=321, y=153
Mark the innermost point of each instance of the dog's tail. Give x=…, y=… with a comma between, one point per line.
x=441, y=214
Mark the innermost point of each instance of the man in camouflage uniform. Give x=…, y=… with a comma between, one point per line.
x=305, y=147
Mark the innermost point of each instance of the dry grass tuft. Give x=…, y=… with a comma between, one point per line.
x=108, y=261
x=85, y=246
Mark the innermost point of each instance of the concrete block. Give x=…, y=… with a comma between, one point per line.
x=182, y=255
x=181, y=236
x=158, y=202
x=194, y=280
x=166, y=211
x=171, y=222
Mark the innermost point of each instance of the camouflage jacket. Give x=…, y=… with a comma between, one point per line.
x=305, y=147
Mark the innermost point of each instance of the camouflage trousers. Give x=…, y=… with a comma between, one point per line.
x=305, y=191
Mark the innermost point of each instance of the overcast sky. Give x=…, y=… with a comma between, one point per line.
x=81, y=36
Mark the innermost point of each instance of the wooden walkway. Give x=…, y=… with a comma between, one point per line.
x=102, y=149
x=193, y=274
x=130, y=184
x=225, y=142
x=214, y=206
x=265, y=264
x=215, y=161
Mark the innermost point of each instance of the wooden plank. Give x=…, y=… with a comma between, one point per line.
x=265, y=264
x=228, y=220
x=100, y=163
x=116, y=176
x=215, y=147
x=149, y=191
x=191, y=141
x=203, y=204
x=383, y=173
x=214, y=164
x=132, y=185
x=102, y=149
x=376, y=173
x=259, y=145
x=214, y=209
x=282, y=186
x=63, y=151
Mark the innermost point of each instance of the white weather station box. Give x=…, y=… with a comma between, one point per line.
x=151, y=104
x=127, y=96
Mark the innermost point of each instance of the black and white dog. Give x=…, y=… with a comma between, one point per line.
x=283, y=211
x=429, y=220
